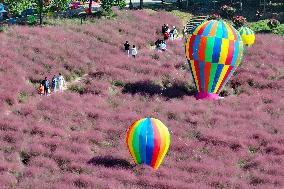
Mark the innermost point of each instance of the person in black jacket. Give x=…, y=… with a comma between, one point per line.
x=126, y=47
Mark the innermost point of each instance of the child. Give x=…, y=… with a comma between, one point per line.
x=133, y=51
x=41, y=89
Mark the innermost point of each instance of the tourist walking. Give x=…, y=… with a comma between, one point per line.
x=60, y=82
x=54, y=83
x=46, y=86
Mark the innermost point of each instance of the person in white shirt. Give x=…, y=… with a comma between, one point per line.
x=61, y=82
x=134, y=51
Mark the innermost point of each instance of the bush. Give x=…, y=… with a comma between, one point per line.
x=23, y=97
x=227, y=11
x=239, y=21
x=77, y=89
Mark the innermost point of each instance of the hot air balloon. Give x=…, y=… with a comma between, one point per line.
x=247, y=36
x=214, y=49
x=148, y=141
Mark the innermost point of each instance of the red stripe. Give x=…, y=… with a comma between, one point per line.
x=200, y=32
x=190, y=46
x=202, y=47
x=157, y=143
x=224, y=79
x=230, y=52
x=207, y=74
x=197, y=69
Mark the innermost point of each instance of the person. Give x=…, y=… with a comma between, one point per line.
x=54, y=83
x=126, y=47
x=166, y=36
x=167, y=28
x=60, y=82
x=173, y=33
x=133, y=51
x=164, y=29
x=157, y=43
x=46, y=86
x=41, y=89
x=163, y=46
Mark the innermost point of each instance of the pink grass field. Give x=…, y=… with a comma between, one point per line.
x=77, y=140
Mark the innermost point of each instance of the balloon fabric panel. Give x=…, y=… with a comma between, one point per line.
x=192, y=73
x=142, y=142
x=149, y=142
x=216, y=50
x=222, y=75
x=136, y=142
x=157, y=143
x=207, y=74
x=202, y=70
x=212, y=74
x=225, y=77
x=129, y=139
x=224, y=51
x=165, y=143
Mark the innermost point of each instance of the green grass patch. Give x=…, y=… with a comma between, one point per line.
x=262, y=27
x=23, y=96
x=184, y=16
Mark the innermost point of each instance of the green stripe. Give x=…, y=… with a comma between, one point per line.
x=135, y=141
x=209, y=49
x=213, y=69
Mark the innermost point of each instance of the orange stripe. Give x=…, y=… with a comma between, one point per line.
x=213, y=29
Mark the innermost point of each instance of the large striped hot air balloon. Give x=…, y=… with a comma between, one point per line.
x=148, y=141
x=214, y=49
x=247, y=36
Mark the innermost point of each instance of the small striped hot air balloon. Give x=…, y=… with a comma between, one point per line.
x=247, y=36
x=148, y=141
x=214, y=49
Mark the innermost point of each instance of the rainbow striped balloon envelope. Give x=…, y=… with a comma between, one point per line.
x=247, y=36
x=214, y=49
x=148, y=141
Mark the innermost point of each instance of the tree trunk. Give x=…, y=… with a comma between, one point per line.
x=141, y=4
x=90, y=6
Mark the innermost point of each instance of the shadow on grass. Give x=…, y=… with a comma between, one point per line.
x=176, y=90
x=110, y=162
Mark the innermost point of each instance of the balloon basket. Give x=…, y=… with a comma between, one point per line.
x=207, y=96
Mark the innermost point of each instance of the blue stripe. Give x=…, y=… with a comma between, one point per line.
x=216, y=49
x=208, y=29
x=188, y=62
x=217, y=75
x=202, y=75
x=247, y=32
x=196, y=47
x=225, y=31
x=150, y=142
x=142, y=141
x=236, y=53
x=224, y=84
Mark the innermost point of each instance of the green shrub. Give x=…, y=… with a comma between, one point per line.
x=23, y=96
x=118, y=83
x=77, y=89
x=262, y=27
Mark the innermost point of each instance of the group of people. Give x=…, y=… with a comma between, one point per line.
x=127, y=49
x=169, y=33
x=58, y=83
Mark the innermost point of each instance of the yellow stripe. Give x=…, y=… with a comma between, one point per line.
x=165, y=142
x=194, y=74
x=230, y=32
x=187, y=46
x=224, y=51
x=130, y=139
x=222, y=75
x=198, y=28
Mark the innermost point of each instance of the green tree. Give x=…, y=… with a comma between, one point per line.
x=16, y=7
x=107, y=5
x=60, y=5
